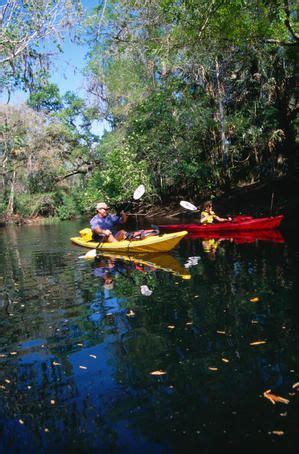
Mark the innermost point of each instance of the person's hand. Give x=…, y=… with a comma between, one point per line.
x=229, y=219
x=107, y=232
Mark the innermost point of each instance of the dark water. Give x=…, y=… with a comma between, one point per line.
x=79, y=341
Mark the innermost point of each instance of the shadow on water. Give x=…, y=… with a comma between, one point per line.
x=165, y=353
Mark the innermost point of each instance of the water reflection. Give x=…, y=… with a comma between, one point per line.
x=77, y=354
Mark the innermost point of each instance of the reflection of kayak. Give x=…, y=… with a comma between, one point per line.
x=239, y=223
x=149, y=262
x=159, y=243
x=241, y=237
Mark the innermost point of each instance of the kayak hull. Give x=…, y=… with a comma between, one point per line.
x=158, y=243
x=247, y=225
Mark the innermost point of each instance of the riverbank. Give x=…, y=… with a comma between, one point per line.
x=259, y=199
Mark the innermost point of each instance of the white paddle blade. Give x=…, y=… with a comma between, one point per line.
x=90, y=254
x=139, y=192
x=188, y=205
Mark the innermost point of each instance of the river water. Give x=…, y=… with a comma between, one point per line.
x=194, y=351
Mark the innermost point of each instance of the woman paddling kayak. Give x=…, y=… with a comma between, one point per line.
x=208, y=216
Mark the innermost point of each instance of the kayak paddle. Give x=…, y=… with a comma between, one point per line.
x=188, y=206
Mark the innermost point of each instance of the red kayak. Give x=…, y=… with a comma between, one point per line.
x=239, y=223
x=273, y=236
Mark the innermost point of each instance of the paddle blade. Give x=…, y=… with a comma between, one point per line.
x=90, y=254
x=188, y=205
x=139, y=192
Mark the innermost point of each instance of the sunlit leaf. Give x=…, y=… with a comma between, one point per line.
x=158, y=372
x=255, y=299
x=258, y=343
x=274, y=398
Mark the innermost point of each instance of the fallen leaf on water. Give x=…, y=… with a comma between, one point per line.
x=284, y=414
x=46, y=429
x=2, y=355
x=189, y=323
x=170, y=326
x=295, y=385
x=158, y=372
x=274, y=398
x=82, y=367
x=13, y=353
x=220, y=332
x=213, y=368
x=21, y=421
x=7, y=381
x=255, y=299
x=130, y=313
x=80, y=345
x=225, y=360
x=2, y=387
x=292, y=394
x=258, y=343
x=56, y=364
x=278, y=432
x=93, y=356
x=254, y=322
x=52, y=402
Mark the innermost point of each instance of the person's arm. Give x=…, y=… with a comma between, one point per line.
x=222, y=219
x=204, y=217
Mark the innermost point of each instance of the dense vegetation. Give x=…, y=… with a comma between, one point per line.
x=200, y=97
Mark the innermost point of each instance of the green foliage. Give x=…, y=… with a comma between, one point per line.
x=45, y=98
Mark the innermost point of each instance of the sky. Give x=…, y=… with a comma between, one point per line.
x=66, y=70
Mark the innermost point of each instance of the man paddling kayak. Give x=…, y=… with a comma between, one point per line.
x=208, y=216
x=103, y=224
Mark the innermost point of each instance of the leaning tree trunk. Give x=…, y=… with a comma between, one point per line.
x=10, y=206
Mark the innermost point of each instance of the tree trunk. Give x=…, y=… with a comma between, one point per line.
x=10, y=206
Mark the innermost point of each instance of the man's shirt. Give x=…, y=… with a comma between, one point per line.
x=106, y=223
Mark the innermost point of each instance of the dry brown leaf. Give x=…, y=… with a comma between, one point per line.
x=274, y=398
x=93, y=356
x=220, y=332
x=255, y=299
x=2, y=355
x=189, y=323
x=170, y=326
x=213, y=368
x=21, y=421
x=258, y=343
x=13, y=353
x=80, y=345
x=278, y=432
x=295, y=385
x=46, y=429
x=52, y=402
x=7, y=381
x=56, y=364
x=225, y=360
x=158, y=372
x=130, y=313
x=82, y=367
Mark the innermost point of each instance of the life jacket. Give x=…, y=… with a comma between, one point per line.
x=210, y=218
x=141, y=234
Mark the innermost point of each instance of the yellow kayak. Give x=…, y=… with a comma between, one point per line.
x=158, y=243
x=164, y=262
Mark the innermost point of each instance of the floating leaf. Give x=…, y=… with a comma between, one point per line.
x=213, y=368
x=130, y=313
x=52, y=402
x=145, y=290
x=93, y=356
x=80, y=345
x=220, y=332
x=46, y=429
x=7, y=381
x=170, y=326
x=13, y=353
x=255, y=299
x=278, y=432
x=2, y=355
x=189, y=323
x=274, y=398
x=82, y=367
x=258, y=343
x=158, y=372
x=21, y=421
x=295, y=385
x=56, y=364
x=225, y=360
